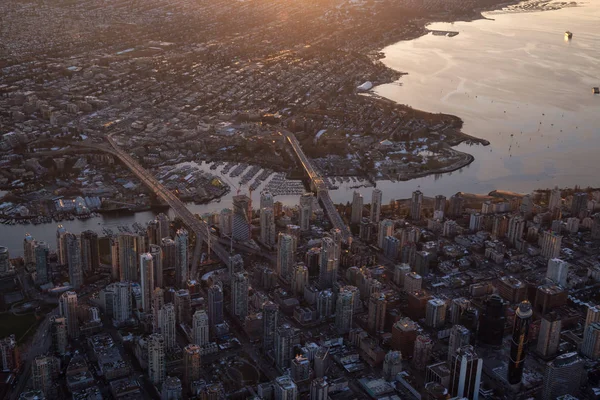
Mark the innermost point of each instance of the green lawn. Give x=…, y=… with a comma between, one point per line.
x=17, y=325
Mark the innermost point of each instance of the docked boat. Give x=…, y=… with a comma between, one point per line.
x=568, y=35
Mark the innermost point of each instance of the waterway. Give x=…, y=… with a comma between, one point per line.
x=512, y=78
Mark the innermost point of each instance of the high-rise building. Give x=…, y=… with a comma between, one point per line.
x=267, y=226
x=183, y=306
x=285, y=256
x=416, y=205
x=239, y=295
x=28, y=249
x=122, y=309
x=182, y=264
x=285, y=388
x=67, y=305
x=306, y=203
x=41, y=252
x=166, y=317
x=555, y=198
x=344, y=308
x=270, y=318
x=357, y=208
x=157, y=363
x=130, y=247
x=557, y=271
x=235, y=264
x=115, y=272
x=267, y=200
x=164, y=227
x=325, y=304
x=9, y=353
x=319, y=389
x=152, y=232
x=476, y=222
x=459, y=336
x=241, y=217
x=591, y=341
x=171, y=389
x=226, y=222
x=435, y=314
x=300, y=369
x=392, y=365
x=465, y=377
x=457, y=307
x=73, y=250
x=44, y=371
x=147, y=280
x=284, y=341
x=511, y=289
x=456, y=205
x=563, y=376
x=493, y=319
x=200, y=328
x=519, y=343
x=61, y=245
x=422, y=352
x=215, y=304
x=439, y=203
x=327, y=264
x=90, y=251
x=593, y=315
x=294, y=231
x=191, y=364
x=157, y=264
x=516, y=225
x=412, y=282
x=549, y=337
x=299, y=279
x=579, y=204
x=59, y=334
x=404, y=334
x=376, y=206
x=158, y=301
x=386, y=228
x=550, y=245
x=377, y=308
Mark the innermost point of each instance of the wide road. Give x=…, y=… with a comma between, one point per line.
x=319, y=185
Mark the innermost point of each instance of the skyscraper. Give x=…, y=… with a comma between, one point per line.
x=592, y=315
x=493, y=319
x=152, y=232
x=306, y=201
x=557, y=271
x=519, y=343
x=591, y=341
x=392, y=365
x=457, y=307
x=171, y=389
x=191, y=364
x=41, y=252
x=61, y=245
x=122, y=311
x=157, y=363
x=344, y=308
x=28, y=249
x=284, y=341
x=73, y=250
x=516, y=225
x=549, y=337
x=166, y=317
x=130, y=247
x=299, y=279
x=90, y=251
x=327, y=263
x=562, y=376
x=241, y=217
x=147, y=280
x=9, y=354
x=465, y=377
x=157, y=264
x=183, y=306
x=285, y=388
x=267, y=226
x=435, y=313
x=45, y=370
x=200, y=328
x=551, y=243
x=215, y=304
x=325, y=304
x=285, y=256
x=59, y=334
x=377, y=308
x=319, y=389
x=412, y=282
x=555, y=198
x=270, y=319
x=182, y=264
x=386, y=228
x=579, y=204
x=239, y=295
x=158, y=301
x=440, y=203
x=300, y=369
x=235, y=264
x=357, y=208
x=67, y=305
x=376, y=206
x=422, y=352
x=164, y=227
x=266, y=200
x=416, y=205
x=459, y=336
x=226, y=222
